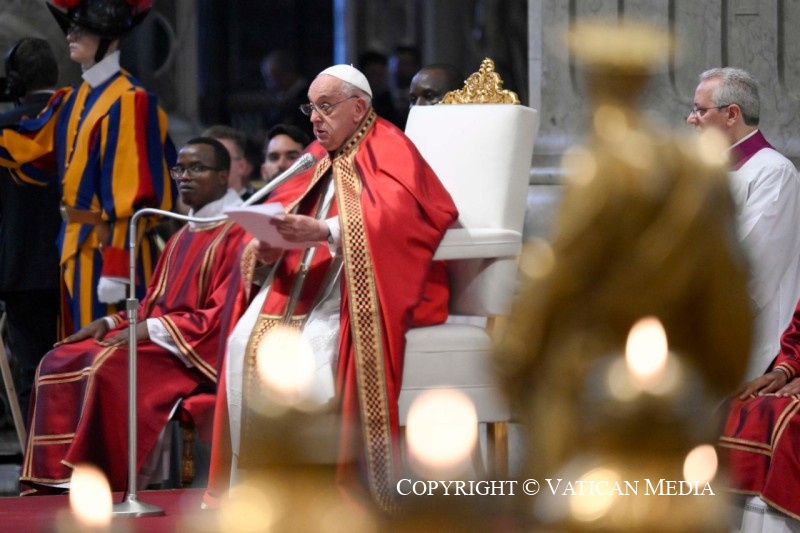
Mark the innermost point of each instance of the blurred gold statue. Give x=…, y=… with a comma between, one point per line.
x=645, y=228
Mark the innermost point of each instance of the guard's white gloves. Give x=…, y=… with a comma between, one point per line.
x=111, y=290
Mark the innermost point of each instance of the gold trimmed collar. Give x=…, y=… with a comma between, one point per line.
x=357, y=137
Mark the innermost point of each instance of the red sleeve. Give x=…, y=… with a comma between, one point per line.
x=789, y=357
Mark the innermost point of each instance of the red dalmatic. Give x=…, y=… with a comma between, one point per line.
x=80, y=402
x=761, y=438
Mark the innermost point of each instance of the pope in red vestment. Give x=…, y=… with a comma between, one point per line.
x=80, y=402
x=761, y=438
x=390, y=213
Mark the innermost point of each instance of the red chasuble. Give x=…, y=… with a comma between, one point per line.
x=761, y=438
x=393, y=212
x=79, y=404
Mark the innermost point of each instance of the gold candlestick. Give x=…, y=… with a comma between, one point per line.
x=644, y=229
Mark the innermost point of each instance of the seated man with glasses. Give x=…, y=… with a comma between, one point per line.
x=760, y=435
x=378, y=212
x=766, y=188
x=81, y=391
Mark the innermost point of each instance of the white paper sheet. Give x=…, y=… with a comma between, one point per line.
x=257, y=220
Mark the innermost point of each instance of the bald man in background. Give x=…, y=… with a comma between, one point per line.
x=432, y=82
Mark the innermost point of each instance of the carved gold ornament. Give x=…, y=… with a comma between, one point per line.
x=482, y=87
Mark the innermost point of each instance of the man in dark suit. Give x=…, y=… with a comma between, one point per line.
x=29, y=222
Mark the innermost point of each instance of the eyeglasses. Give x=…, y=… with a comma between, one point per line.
x=700, y=111
x=193, y=170
x=323, y=109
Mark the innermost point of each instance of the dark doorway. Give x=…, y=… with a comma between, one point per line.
x=237, y=35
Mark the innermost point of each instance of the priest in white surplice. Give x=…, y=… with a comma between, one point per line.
x=766, y=188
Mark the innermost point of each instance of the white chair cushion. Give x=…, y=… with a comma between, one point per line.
x=490, y=404
x=469, y=243
x=453, y=356
x=482, y=287
x=447, y=354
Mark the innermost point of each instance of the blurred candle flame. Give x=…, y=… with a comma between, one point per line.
x=537, y=259
x=701, y=464
x=253, y=506
x=442, y=430
x=593, y=506
x=285, y=364
x=90, y=497
x=646, y=352
x=580, y=166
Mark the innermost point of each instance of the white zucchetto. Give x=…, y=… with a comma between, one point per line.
x=351, y=75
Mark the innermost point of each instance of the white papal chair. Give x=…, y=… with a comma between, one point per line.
x=482, y=153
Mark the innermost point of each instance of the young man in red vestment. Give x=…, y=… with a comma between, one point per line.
x=380, y=213
x=81, y=390
x=761, y=438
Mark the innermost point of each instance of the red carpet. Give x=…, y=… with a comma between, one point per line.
x=43, y=513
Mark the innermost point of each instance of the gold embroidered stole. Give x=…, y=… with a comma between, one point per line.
x=365, y=320
x=367, y=334
x=253, y=393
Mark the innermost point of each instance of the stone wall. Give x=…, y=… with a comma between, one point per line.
x=757, y=35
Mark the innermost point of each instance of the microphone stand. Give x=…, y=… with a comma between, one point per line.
x=132, y=507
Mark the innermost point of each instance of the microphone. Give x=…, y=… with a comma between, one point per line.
x=305, y=162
